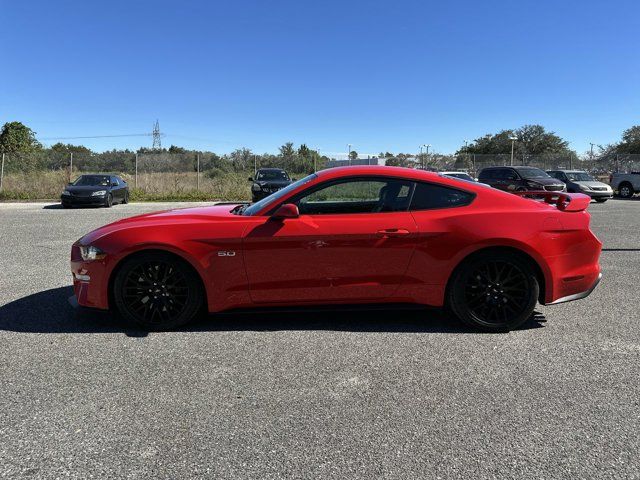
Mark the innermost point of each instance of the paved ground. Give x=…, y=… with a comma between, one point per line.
x=341, y=395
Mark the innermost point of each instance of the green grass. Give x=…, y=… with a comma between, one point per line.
x=152, y=187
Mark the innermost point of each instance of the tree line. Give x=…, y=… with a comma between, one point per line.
x=20, y=140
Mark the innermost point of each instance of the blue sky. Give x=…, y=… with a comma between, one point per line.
x=381, y=75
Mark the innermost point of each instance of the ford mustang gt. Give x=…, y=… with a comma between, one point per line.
x=352, y=235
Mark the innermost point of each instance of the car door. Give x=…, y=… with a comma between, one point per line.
x=116, y=189
x=352, y=242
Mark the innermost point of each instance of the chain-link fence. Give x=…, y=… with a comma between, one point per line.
x=203, y=176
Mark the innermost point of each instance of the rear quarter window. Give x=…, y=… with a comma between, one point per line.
x=428, y=196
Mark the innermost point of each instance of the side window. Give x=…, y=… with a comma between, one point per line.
x=357, y=196
x=488, y=174
x=510, y=175
x=427, y=196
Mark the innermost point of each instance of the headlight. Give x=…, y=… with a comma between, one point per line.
x=255, y=187
x=90, y=253
x=584, y=188
x=99, y=193
x=66, y=192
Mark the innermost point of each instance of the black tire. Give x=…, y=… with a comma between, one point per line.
x=157, y=291
x=109, y=202
x=601, y=200
x=625, y=190
x=125, y=200
x=493, y=291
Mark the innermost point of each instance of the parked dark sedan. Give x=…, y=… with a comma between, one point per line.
x=578, y=181
x=99, y=189
x=267, y=181
x=520, y=179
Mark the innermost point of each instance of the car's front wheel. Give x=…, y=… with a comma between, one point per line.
x=109, y=202
x=125, y=200
x=157, y=291
x=493, y=291
x=601, y=200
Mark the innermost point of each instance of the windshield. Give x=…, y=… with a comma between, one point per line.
x=267, y=175
x=580, y=177
x=253, y=209
x=92, y=181
x=533, y=173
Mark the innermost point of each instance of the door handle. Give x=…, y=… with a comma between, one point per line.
x=393, y=232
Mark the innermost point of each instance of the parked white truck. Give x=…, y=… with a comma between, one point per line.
x=626, y=184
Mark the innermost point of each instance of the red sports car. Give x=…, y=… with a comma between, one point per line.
x=353, y=235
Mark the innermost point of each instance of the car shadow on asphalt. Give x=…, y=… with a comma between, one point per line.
x=51, y=311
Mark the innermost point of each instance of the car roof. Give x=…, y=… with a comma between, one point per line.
x=270, y=169
x=449, y=172
x=568, y=171
x=377, y=170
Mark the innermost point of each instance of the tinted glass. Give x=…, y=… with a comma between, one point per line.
x=427, y=196
x=92, y=181
x=488, y=174
x=532, y=172
x=267, y=175
x=580, y=177
x=357, y=196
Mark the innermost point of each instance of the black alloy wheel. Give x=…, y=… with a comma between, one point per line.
x=109, y=201
x=494, y=292
x=157, y=291
x=601, y=200
x=125, y=200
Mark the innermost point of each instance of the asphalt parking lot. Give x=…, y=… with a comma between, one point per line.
x=381, y=394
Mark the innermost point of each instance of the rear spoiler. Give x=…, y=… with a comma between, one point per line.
x=567, y=202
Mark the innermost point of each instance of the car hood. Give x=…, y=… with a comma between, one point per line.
x=174, y=217
x=545, y=181
x=85, y=188
x=275, y=183
x=590, y=183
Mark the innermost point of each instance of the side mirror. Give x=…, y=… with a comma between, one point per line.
x=288, y=210
x=251, y=179
x=70, y=183
x=114, y=184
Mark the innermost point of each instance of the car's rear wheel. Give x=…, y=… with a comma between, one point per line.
x=157, y=291
x=494, y=291
x=625, y=190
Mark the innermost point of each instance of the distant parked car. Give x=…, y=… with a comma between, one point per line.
x=520, y=179
x=267, y=181
x=460, y=175
x=578, y=181
x=98, y=189
x=626, y=184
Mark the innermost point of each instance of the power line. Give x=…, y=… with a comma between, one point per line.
x=99, y=136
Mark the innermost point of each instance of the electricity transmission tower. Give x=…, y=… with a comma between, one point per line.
x=157, y=144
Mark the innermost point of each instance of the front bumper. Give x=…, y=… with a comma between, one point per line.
x=603, y=194
x=89, y=280
x=72, y=200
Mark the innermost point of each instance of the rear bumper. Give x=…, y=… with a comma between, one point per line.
x=579, y=295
